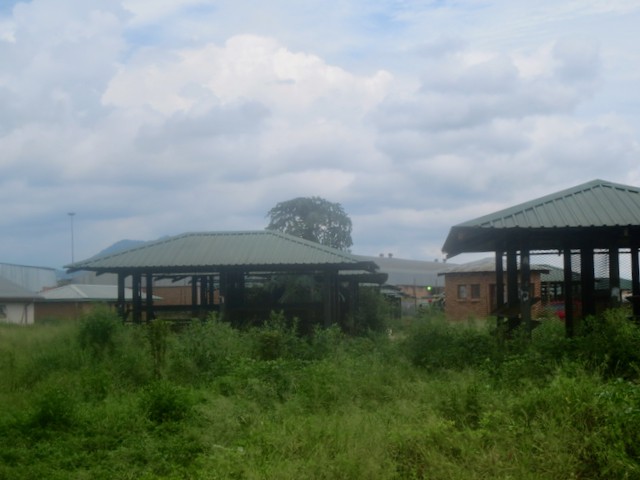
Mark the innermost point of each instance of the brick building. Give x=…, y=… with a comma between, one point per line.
x=470, y=289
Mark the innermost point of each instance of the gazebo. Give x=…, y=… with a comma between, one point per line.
x=226, y=263
x=597, y=217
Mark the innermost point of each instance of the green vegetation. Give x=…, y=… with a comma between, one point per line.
x=432, y=400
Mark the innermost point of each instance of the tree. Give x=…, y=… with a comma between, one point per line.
x=313, y=218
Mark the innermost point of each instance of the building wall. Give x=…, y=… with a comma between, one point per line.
x=18, y=313
x=480, y=298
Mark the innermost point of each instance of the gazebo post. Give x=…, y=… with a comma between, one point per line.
x=614, y=277
x=525, y=289
x=330, y=296
x=194, y=296
x=499, y=286
x=121, y=305
x=136, y=282
x=587, y=284
x=635, y=281
x=149, y=299
x=568, y=293
x=512, y=283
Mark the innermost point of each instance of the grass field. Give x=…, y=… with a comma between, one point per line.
x=100, y=400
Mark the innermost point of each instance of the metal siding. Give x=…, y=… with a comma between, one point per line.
x=34, y=279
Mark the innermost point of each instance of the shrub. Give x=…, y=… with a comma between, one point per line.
x=163, y=402
x=277, y=338
x=373, y=313
x=98, y=330
x=158, y=335
x=434, y=343
x=206, y=350
x=610, y=342
x=53, y=408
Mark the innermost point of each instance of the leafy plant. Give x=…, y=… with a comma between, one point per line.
x=98, y=330
x=163, y=402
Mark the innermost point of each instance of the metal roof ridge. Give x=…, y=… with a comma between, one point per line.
x=549, y=198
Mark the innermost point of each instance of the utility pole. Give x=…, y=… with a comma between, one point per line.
x=71, y=215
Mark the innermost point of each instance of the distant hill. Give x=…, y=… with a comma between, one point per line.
x=120, y=246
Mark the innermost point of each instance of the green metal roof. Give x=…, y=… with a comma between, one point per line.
x=261, y=250
x=594, y=205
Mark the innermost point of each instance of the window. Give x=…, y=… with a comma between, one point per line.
x=475, y=291
x=3, y=311
x=462, y=292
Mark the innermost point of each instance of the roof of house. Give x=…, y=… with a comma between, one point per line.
x=402, y=271
x=595, y=204
x=86, y=293
x=12, y=291
x=487, y=265
x=31, y=278
x=209, y=251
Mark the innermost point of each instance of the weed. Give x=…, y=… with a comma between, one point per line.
x=163, y=402
x=98, y=330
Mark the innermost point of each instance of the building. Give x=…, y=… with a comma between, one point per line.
x=223, y=267
x=34, y=279
x=71, y=302
x=417, y=283
x=594, y=219
x=470, y=289
x=16, y=303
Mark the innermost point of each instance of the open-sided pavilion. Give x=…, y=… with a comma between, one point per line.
x=226, y=263
x=597, y=217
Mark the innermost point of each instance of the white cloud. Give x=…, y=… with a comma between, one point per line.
x=152, y=118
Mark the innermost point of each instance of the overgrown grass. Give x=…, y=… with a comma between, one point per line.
x=433, y=400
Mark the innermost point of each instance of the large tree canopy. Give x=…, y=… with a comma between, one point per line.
x=313, y=218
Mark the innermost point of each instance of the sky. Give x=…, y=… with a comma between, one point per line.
x=148, y=118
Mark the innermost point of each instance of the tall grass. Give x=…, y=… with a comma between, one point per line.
x=433, y=400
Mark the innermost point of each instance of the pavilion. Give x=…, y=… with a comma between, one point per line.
x=227, y=263
x=595, y=218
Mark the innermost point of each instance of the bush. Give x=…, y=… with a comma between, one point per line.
x=610, y=342
x=53, y=408
x=98, y=330
x=206, y=350
x=434, y=343
x=277, y=338
x=163, y=402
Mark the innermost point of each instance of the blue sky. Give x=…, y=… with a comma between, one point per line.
x=152, y=118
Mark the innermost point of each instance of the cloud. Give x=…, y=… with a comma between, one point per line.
x=154, y=118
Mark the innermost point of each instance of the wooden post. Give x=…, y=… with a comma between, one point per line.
x=149, y=299
x=136, y=283
x=512, y=287
x=329, y=289
x=614, y=277
x=194, y=296
x=499, y=286
x=569, y=314
x=635, y=281
x=587, y=281
x=122, y=301
x=525, y=289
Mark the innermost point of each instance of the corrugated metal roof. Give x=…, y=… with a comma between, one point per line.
x=12, y=291
x=251, y=249
x=31, y=278
x=487, y=265
x=592, y=204
x=403, y=271
x=86, y=293
x=551, y=221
